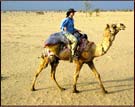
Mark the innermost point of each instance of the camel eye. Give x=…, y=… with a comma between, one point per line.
x=114, y=26
x=121, y=24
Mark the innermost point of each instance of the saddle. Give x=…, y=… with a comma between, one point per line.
x=81, y=45
x=58, y=38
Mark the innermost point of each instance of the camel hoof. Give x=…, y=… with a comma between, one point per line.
x=62, y=89
x=33, y=89
x=104, y=91
x=75, y=91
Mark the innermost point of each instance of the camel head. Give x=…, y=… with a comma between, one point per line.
x=112, y=29
x=120, y=26
x=109, y=35
x=115, y=28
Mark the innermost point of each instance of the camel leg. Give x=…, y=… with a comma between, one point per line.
x=43, y=64
x=53, y=71
x=97, y=75
x=76, y=76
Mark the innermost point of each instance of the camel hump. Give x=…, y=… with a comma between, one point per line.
x=56, y=38
x=90, y=43
x=85, y=44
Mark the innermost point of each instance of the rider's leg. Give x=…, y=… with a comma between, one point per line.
x=73, y=41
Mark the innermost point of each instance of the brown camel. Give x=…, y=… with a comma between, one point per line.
x=89, y=53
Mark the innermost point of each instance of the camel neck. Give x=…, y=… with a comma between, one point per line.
x=105, y=44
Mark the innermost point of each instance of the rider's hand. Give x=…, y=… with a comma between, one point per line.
x=76, y=30
x=79, y=30
x=65, y=29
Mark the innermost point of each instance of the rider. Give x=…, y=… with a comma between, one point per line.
x=67, y=27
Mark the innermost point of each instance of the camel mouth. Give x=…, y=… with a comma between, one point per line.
x=123, y=28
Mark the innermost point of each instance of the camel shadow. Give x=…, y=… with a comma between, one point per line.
x=119, y=81
x=4, y=77
x=120, y=86
x=38, y=89
x=114, y=91
x=120, y=90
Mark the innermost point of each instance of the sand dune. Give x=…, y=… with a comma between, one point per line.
x=22, y=38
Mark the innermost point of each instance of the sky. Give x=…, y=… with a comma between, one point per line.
x=64, y=5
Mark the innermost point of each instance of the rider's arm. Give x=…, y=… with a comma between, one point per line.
x=76, y=30
x=64, y=24
x=65, y=28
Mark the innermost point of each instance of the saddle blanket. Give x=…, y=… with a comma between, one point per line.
x=55, y=39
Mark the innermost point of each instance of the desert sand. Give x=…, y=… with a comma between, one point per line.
x=22, y=38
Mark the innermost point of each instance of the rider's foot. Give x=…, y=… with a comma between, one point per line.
x=71, y=59
x=76, y=57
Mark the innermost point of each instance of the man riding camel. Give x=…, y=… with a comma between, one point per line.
x=68, y=35
x=67, y=27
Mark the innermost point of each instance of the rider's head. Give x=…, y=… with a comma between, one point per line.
x=70, y=12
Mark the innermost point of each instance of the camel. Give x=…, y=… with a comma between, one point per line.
x=90, y=52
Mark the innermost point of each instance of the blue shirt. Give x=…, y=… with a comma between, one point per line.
x=69, y=24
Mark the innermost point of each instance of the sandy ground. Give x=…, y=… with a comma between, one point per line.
x=22, y=38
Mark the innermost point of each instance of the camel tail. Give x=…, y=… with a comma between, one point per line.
x=44, y=61
x=47, y=57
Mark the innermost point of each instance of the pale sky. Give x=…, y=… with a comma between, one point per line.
x=64, y=5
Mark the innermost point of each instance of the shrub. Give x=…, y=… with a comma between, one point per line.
x=40, y=13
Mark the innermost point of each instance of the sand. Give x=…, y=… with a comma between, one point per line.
x=22, y=38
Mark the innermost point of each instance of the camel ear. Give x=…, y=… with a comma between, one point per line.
x=107, y=26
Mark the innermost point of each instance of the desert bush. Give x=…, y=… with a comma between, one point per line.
x=88, y=8
x=90, y=13
x=97, y=11
x=27, y=11
x=4, y=11
x=40, y=13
